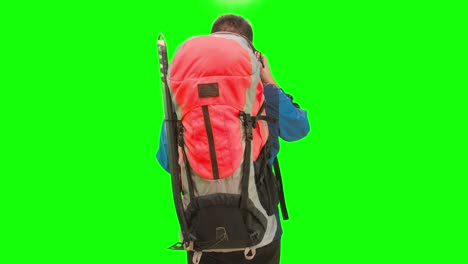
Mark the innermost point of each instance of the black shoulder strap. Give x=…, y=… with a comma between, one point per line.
x=284, y=210
x=271, y=119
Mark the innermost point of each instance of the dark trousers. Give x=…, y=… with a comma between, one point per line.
x=268, y=254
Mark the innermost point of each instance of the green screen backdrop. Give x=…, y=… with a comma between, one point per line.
x=379, y=178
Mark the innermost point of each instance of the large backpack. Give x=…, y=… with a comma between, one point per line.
x=229, y=192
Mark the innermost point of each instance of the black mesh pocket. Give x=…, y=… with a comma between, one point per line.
x=265, y=181
x=218, y=222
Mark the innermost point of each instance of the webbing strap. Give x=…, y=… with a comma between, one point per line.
x=247, y=122
x=211, y=144
x=267, y=118
x=284, y=210
x=188, y=172
x=263, y=117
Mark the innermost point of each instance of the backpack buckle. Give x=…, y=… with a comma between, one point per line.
x=247, y=121
x=180, y=134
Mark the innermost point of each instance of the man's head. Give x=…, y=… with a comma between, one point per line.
x=234, y=24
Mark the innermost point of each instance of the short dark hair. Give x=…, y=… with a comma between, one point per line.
x=234, y=24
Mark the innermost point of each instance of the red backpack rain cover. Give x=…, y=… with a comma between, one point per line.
x=212, y=79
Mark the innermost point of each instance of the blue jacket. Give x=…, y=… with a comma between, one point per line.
x=293, y=125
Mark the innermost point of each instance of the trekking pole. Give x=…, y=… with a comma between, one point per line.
x=171, y=131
